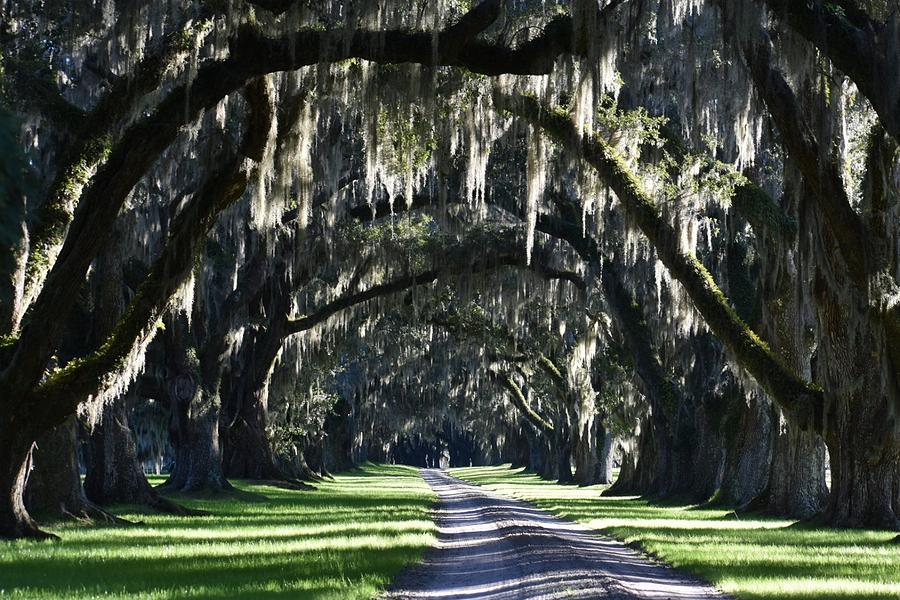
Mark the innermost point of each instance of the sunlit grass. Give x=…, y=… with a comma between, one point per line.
x=348, y=539
x=749, y=557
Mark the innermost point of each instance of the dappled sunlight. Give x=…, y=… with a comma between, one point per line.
x=750, y=557
x=492, y=547
x=347, y=539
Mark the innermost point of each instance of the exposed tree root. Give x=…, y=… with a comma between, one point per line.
x=287, y=484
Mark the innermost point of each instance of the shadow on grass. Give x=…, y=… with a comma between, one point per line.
x=346, y=540
x=751, y=557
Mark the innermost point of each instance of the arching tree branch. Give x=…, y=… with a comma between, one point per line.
x=517, y=397
x=251, y=55
x=866, y=51
x=399, y=284
x=803, y=401
x=823, y=176
x=57, y=397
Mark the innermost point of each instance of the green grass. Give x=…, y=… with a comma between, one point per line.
x=346, y=540
x=750, y=557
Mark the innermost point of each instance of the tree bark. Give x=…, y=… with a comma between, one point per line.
x=114, y=475
x=338, y=438
x=563, y=454
x=585, y=454
x=247, y=453
x=314, y=453
x=54, y=483
x=640, y=469
x=749, y=431
x=519, y=452
x=15, y=522
x=198, y=460
x=195, y=414
x=606, y=442
x=797, y=479
x=625, y=482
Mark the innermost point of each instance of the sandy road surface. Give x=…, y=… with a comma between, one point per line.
x=493, y=547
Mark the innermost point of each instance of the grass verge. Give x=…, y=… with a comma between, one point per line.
x=348, y=539
x=750, y=557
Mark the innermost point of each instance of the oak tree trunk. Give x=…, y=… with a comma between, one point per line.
x=114, y=474
x=749, y=429
x=797, y=480
x=195, y=416
x=605, y=454
x=585, y=454
x=15, y=462
x=54, y=483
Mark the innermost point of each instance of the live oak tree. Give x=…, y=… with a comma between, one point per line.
x=767, y=126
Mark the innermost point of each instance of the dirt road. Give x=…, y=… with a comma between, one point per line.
x=493, y=547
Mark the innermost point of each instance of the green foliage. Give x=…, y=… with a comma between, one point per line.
x=300, y=412
x=627, y=127
x=347, y=539
x=407, y=138
x=413, y=239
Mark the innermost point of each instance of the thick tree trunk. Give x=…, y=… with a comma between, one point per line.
x=708, y=457
x=15, y=461
x=543, y=460
x=195, y=416
x=198, y=461
x=797, y=480
x=606, y=442
x=114, y=473
x=585, y=454
x=625, y=483
x=54, y=483
x=653, y=459
x=247, y=453
x=862, y=394
x=338, y=438
x=865, y=464
x=314, y=452
x=520, y=451
x=749, y=429
x=562, y=451
x=295, y=465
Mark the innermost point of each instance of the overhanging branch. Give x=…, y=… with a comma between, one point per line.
x=863, y=49
x=801, y=400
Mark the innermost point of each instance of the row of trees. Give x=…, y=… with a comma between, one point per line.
x=663, y=226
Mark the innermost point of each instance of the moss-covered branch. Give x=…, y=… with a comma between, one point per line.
x=517, y=397
x=57, y=397
x=822, y=175
x=94, y=136
x=750, y=201
x=462, y=258
x=862, y=48
x=803, y=401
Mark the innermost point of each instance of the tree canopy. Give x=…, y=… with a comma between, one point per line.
x=551, y=232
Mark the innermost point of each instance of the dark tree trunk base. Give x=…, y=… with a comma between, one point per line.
x=114, y=476
x=247, y=455
x=606, y=447
x=54, y=485
x=15, y=522
x=862, y=495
